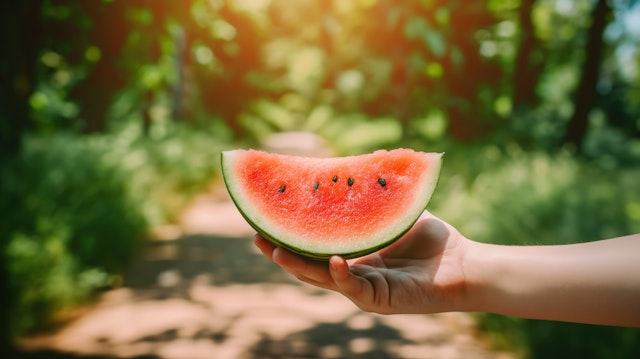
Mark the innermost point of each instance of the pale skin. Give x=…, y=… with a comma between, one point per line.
x=433, y=268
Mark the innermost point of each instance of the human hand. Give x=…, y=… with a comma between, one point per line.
x=433, y=268
x=422, y=272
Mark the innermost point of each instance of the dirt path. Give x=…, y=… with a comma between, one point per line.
x=201, y=290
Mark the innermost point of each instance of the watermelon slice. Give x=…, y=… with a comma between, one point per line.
x=318, y=207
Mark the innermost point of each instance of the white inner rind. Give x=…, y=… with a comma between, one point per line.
x=355, y=244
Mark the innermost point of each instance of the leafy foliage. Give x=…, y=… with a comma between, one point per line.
x=536, y=198
x=114, y=112
x=76, y=208
x=521, y=198
x=69, y=225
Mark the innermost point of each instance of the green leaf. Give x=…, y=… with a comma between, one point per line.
x=435, y=42
x=414, y=27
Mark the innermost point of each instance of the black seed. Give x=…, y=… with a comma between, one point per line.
x=316, y=185
x=282, y=189
x=382, y=181
x=350, y=181
x=335, y=179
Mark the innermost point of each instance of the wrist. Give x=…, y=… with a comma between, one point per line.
x=482, y=271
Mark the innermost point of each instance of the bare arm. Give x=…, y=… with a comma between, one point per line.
x=433, y=268
x=596, y=282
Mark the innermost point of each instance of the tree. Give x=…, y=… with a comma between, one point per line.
x=585, y=94
x=528, y=65
x=21, y=33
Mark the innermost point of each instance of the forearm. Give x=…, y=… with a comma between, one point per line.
x=596, y=282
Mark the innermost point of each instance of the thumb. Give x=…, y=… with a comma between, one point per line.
x=347, y=283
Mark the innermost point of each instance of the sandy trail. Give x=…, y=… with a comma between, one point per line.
x=201, y=290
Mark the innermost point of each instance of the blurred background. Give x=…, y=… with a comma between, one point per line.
x=113, y=115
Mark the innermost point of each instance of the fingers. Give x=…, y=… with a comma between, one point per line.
x=352, y=281
x=339, y=269
x=346, y=281
x=306, y=270
x=264, y=245
x=301, y=267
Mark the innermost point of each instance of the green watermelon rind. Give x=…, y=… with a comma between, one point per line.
x=324, y=256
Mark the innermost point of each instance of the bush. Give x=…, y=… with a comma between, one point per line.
x=69, y=225
x=75, y=209
x=536, y=198
x=166, y=169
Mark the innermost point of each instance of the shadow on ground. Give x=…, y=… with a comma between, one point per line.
x=333, y=340
x=219, y=260
x=53, y=354
x=208, y=293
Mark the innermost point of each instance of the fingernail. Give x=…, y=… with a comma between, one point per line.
x=276, y=255
x=334, y=261
x=279, y=257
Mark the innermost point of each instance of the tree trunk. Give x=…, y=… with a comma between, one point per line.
x=21, y=39
x=527, y=68
x=585, y=95
x=109, y=32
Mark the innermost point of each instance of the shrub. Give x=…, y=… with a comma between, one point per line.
x=69, y=225
x=166, y=169
x=76, y=207
x=537, y=198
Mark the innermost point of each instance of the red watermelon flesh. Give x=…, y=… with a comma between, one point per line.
x=318, y=207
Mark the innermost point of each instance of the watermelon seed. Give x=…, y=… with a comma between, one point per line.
x=282, y=189
x=350, y=181
x=335, y=179
x=382, y=181
x=315, y=186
